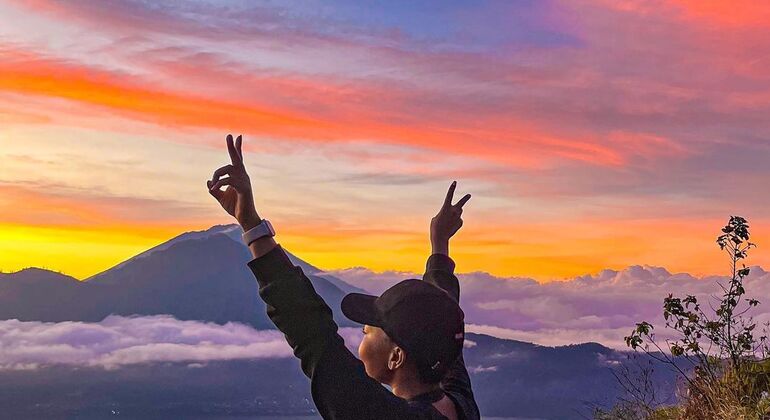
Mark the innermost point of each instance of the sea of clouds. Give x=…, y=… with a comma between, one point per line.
x=603, y=308
x=117, y=341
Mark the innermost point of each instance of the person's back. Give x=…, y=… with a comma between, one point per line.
x=413, y=333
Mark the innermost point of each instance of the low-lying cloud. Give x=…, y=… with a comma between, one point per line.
x=117, y=341
x=603, y=307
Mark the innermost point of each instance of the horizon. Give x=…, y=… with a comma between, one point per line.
x=381, y=272
x=598, y=307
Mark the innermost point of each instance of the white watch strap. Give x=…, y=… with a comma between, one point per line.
x=264, y=228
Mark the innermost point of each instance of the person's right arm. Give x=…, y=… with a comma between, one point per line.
x=439, y=271
x=340, y=387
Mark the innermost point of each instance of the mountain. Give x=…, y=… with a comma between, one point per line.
x=194, y=276
x=518, y=379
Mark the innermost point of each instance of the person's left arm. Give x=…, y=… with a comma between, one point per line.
x=439, y=271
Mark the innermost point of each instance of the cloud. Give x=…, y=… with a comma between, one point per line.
x=294, y=107
x=551, y=87
x=481, y=369
x=603, y=307
x=89, y=206
x=117, y=341
x=621, y=103
x=564, y=117
x=370, y=281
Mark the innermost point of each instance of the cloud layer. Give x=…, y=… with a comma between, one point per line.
x=603, y=307
x=600, y=308
x=118, y=341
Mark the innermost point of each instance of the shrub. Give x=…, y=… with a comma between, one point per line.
x=729, y=374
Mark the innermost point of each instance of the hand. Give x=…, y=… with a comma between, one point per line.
x=447, y=222
x=237, y=198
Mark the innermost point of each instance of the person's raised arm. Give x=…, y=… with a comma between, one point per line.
x=440, y=268
x=340, y=386
x=439, y=271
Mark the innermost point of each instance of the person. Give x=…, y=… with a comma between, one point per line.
x=413, y=332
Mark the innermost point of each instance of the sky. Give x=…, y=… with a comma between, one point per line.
x=592, y=135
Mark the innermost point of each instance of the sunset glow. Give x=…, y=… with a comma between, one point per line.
x=592, y=135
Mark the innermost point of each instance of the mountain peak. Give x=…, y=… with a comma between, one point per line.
x=31, y=270
x=229, y=230
x=233, y=231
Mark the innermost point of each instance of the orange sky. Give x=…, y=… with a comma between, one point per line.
x=591, y=134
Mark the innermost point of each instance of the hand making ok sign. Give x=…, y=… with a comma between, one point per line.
x=237, y=199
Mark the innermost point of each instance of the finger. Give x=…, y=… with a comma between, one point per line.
x=222, y=182
x=231, y=150
x=463, y=201
x=238, y=143
x=215, y=192
x=450, y=194
x=219, y=173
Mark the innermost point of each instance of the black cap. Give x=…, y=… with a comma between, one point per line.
x=421, y=318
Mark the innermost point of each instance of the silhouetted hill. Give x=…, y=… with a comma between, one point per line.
x=34, y=294
x=35, y=275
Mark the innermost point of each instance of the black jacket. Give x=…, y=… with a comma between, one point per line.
x=339, y=384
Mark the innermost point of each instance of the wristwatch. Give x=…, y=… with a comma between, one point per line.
x=263, y=229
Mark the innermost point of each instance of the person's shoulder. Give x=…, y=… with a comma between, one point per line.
x=464, y=407
x=433, y=411
x=446, y=406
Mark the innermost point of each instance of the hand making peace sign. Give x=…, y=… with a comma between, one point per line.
x=237, y=199
x=449, y=218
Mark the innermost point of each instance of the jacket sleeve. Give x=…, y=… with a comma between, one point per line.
x=439, y=271
x=340, y=387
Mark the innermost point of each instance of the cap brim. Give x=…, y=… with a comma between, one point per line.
x=360, y=308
